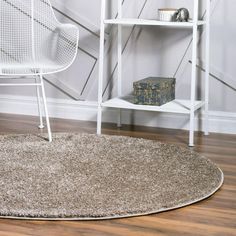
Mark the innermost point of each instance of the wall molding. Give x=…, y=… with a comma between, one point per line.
x=220, y=122
x=217, y=74
x=85, y=22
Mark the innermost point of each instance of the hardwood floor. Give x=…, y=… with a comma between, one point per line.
x=214, y=216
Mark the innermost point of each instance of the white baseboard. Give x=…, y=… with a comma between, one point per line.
x=58, y=108
x=220, y=122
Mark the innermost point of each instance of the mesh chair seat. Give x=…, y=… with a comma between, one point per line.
x=45, y=66
x=33, y=42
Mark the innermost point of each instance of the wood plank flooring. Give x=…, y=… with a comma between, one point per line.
x=214, y=216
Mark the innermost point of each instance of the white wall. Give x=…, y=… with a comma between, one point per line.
x=149, y=51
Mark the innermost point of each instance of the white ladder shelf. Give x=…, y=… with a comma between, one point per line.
x=177, y=106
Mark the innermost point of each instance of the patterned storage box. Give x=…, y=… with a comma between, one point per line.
x=154, y=91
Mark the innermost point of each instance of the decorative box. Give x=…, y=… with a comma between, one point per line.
x=154, y=91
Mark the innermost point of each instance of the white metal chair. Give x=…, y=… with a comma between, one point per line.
x=33, y=43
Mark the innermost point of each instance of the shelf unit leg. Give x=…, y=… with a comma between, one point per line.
x=99, y=120
x=119, y=61
x=207, y=69
x=101, y=68
x=119, y=119
x=193, y=77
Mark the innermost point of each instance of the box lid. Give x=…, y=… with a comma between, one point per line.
x=154, y=83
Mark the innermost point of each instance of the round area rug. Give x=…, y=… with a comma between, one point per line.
x=85, y=176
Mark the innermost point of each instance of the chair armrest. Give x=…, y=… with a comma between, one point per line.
x=67, y=43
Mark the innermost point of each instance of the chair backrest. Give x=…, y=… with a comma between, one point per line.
x=26, y=28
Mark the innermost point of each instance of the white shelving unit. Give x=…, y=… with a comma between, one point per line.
x=190, y=106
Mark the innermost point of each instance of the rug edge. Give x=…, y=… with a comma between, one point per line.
x=121, y=216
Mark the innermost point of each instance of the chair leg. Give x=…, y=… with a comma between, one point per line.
x=41, y=125
x=46, y=109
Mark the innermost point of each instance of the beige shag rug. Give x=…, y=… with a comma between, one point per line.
x=84, y=176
